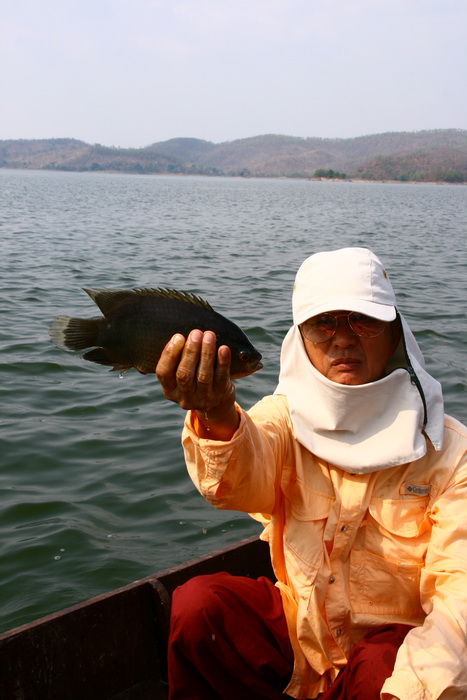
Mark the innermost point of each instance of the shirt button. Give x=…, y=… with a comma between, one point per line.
x=331, y=579
x=338, y=632
x=344, y=528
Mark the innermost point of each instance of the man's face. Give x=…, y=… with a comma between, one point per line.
x=347, y=358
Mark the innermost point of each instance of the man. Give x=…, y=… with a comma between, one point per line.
x=360, y=482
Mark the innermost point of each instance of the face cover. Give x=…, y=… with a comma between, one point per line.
x=371, y=426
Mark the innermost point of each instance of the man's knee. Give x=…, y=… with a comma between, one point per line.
x=200, y=595
x=382, y=643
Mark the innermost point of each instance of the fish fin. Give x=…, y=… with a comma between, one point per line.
x=102, y=357
x=74, y=333
x=177, y=294
x=107, y=299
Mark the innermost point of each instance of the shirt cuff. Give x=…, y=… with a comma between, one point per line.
x=403, y=684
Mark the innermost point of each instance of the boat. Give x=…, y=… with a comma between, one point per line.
x=113, y=646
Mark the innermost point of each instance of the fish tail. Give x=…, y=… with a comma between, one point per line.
x=74, y=333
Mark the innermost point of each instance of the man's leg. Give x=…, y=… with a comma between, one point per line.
x=371, y=661
x=228, y=640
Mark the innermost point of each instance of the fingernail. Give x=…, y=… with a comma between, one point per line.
x=209, y=337
x=178, y=341
x=196, y=336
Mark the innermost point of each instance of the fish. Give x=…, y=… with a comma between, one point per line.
x=138, y=323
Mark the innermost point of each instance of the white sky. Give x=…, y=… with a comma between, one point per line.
x=132, y=72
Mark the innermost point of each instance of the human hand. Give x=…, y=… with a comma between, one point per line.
x=190, y=376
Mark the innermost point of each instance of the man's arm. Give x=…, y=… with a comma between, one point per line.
x=432, y=660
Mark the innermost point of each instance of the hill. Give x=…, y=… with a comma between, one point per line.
x=73, y=155
x=437, y=155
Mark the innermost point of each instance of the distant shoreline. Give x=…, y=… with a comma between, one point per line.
x=347, y=180
x=436, y=156
x=388, y=182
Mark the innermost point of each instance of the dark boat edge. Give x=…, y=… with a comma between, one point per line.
x=112, y=646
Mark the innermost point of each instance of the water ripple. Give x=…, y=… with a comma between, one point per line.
x=94, y=490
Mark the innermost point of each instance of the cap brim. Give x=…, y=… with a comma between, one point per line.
x=380, y=311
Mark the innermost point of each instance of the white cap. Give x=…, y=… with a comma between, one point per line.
x=349, y=279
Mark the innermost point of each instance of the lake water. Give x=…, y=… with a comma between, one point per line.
x=93, y=486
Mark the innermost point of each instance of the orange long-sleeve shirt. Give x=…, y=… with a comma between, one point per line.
x=351, y=552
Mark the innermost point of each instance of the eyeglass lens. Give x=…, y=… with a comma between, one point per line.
x=322, y=327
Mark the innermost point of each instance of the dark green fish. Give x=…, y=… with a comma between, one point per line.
x=138, y=323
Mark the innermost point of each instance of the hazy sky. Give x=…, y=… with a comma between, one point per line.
x=133, y=72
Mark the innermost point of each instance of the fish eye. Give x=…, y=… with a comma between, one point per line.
x=244, y=356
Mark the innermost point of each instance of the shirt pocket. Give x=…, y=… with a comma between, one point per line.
x=307, y=512
x=382, y=587
x=385, y=574
x=405, y=517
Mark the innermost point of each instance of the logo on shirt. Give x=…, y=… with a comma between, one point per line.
x=415, y=489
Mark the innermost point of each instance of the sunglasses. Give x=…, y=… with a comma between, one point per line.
x=321, y=328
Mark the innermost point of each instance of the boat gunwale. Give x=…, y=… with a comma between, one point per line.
x=112, y=646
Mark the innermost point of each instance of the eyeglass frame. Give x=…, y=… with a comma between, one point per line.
x=336, y=316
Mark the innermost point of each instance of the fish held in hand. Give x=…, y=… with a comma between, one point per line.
x=137, y=324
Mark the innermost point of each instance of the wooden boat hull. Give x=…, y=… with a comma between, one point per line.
x=112, y=647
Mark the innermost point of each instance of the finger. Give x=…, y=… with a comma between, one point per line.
x=223, y=385
x=207, y=362
x=168, y=361
x=187, y=367
x=222, y=371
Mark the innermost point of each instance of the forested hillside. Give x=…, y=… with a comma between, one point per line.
x=424, y=156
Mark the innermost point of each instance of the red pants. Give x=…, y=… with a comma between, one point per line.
x=229, y=641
